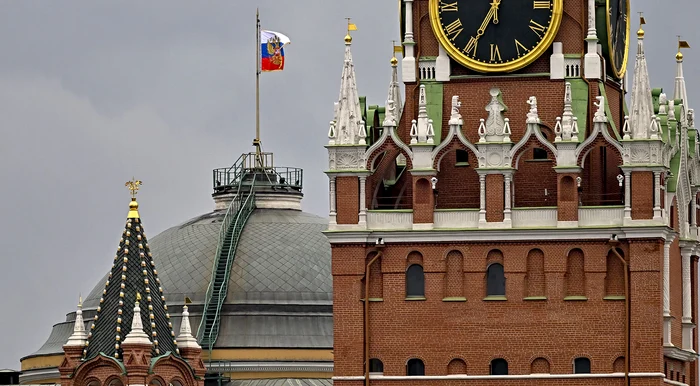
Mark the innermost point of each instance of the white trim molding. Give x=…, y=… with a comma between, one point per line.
x=496, y=377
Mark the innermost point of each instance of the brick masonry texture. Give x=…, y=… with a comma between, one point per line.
x=564, y=299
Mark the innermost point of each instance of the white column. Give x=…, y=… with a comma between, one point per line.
x=592, y=61
x=628, y=196
x=408, y=63
x=363, y=203
x=482, y=198
x=687, y=319
x=657, y=196
x=507, y=211
x=667, y=293
x=331, y=199
x=694, y=215
x=442, y=65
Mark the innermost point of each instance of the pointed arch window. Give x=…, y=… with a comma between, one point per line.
x=495, y=280
x=415, y=281
x=415, y=367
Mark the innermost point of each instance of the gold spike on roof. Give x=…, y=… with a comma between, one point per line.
x=133, y=187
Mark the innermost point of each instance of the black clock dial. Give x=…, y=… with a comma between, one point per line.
x=496, y=32
x=618, y=35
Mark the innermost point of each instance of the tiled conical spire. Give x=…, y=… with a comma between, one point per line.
x=133, y=272
x=642, y=105
x=348, y=115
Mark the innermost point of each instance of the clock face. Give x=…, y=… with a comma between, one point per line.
x=495, y=35
x=618, y=35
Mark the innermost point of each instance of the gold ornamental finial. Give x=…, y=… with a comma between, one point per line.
x=80, y=301
x=681, y=44
x=133, y=187
x=642, y=21
x=351, y=27
x=138, y=297
x=396, y=49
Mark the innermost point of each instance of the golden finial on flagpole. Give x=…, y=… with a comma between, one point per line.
x=681, y=44
x=642, y=21
x=394, y=61
x=351, y=27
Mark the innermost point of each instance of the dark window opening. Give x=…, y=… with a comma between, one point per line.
x=495, y=280
x=415, y=367
x=415, y=282
x=499, y=367
x=376, y=366
x=539, y=154
x=582, y=366
x=461, y=157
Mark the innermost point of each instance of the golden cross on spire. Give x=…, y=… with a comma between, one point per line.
x=133, y=186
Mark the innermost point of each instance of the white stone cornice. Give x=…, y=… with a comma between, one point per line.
x=478, y=235
x=680, y=354
x=496, y=377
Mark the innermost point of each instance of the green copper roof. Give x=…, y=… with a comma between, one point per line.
x=579, y=103
x=601, y=87
x=434, y=95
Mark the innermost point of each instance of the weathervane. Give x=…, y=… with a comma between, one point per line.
x=133, y=186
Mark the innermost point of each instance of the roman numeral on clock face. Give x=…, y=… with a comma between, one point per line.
x=454, y=29
x=541, y=4
x=495, y=53
x=449, y=7
x=537, y=28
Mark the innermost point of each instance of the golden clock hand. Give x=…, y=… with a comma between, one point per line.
x=495, y=5
x=486, y=22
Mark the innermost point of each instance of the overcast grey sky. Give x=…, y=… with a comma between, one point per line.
x=93, y=93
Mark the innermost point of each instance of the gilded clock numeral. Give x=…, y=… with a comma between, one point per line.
x=495, y=53
x=448, y=7
x=537, y=28
x=470, y=49
x=519, y=46
x=454, y=29
x=541, y=4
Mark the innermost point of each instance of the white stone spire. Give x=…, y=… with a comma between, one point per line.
x=567, y=119
x=137, y=335
x=394, y=90
x=680, y=91
x=642, y=107
x=79, y=335
x=185, y=339
x=348, y=116
x=422, y=127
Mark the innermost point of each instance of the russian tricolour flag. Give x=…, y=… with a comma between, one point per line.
x=271, y=49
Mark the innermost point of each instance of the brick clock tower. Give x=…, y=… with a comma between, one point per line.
x=514, y=222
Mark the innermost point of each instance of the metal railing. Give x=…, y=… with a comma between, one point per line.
x=263, y=164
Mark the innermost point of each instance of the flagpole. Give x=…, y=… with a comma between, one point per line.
x=256, y=141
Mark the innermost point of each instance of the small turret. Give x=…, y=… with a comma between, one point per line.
x=642, y=107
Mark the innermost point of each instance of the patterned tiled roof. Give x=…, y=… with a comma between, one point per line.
x=133, y=272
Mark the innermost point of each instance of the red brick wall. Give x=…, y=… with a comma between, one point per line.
x=458, y=186
x=423, y=200
x=567, y=208
x=476, y=330
x=347, y=200
x=495, y=190
x=642, y=194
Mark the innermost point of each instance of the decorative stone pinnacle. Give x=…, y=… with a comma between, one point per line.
x=389, y=120
x=495, y=122
x=79, y=336
x=185, y=338
x=137, y=335
x=642, y=106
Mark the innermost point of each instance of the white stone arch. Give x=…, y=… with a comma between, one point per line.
x=455, y=131
x=533, y=129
